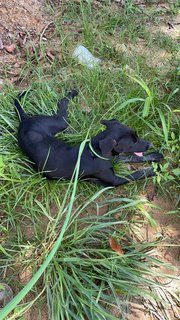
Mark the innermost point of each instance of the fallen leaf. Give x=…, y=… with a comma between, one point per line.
x=50, y=55
x=26, y=275
x=10, y=48
x=116, y=247
x=151, y=195
x=16, y=65
x=117, y=216
x=14, y=79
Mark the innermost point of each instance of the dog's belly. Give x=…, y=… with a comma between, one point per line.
x=59, y=168
x=53, y=163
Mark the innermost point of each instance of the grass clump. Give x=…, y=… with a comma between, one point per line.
x=55, y=228
x=83, y=277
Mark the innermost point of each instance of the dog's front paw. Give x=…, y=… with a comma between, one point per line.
x=156, y=156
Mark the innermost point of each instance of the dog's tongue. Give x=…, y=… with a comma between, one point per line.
x=139, y=154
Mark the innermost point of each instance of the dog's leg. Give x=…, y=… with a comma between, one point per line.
x=108, y=178
x=58, y=122
x=63, y=103
x=154, y=156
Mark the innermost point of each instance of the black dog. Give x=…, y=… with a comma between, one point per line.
x=56, y=159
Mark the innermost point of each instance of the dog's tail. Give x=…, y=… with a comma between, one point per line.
x=21, y=114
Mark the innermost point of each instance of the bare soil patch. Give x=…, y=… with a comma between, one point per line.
x=20, y=27
x=21, y=16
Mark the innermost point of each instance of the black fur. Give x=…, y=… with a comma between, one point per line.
x=56, y=159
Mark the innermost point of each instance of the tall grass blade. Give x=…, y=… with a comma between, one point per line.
x=165, y=129
x=146, y=108
x=13, y=303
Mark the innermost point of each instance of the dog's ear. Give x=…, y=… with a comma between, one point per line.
x=107, y=122
x=106, y=145
x=111, y=122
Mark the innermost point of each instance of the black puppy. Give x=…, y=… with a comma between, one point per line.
x=56, y=159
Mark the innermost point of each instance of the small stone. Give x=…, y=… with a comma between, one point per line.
x=6, y=294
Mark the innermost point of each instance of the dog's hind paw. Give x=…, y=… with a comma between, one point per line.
x=73, y=93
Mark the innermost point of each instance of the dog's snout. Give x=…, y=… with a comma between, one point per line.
x=148, y=145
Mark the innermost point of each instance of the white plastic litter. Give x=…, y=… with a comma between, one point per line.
x=85, y=57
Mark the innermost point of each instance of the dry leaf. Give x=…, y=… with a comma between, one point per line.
x=22, y=41
x=116, y=247
x=26, y=275
x=50, y=55
x=14, y=79
x=10, y=48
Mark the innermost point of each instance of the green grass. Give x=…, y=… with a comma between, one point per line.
x=58, y=232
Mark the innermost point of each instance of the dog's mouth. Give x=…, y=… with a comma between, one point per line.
x=139, y=154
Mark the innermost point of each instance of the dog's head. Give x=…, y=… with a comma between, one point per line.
x=121, y=138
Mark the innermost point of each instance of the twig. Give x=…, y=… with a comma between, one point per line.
x=43, y=31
